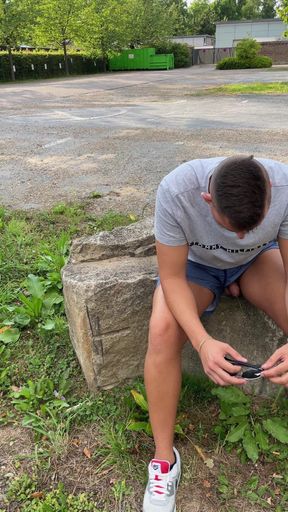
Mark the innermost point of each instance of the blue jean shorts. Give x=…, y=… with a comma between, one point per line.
x=216, y=279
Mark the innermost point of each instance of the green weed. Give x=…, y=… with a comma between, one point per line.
x=96, y=195
x=251, y=429
x=115, y=447
x=21, y=488
x=111, y=220
x=37, y=394
x=141, y=417
x=24, y=490
x=120, y=491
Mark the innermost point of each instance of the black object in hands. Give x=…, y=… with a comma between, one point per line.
x=253, y=371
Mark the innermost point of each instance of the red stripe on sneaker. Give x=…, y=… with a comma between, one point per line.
x=162, y=465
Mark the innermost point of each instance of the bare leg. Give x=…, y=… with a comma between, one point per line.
x=263, y=284
x=163, y=368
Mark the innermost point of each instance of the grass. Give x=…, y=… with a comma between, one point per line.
x=63, y=450
x=252, y=88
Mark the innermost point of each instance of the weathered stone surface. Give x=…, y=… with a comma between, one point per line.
x=108, y=305
x=133, y=240
x=108, y=298
x=245, y=328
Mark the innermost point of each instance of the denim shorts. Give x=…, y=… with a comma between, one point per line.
x=216, y=279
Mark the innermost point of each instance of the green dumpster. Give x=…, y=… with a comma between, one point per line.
x=141, y=58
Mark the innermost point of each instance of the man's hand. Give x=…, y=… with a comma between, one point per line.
x=278, y=364
x=216, y=367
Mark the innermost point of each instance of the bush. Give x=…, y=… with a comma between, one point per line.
x=247, y=49
x=182, y=53
x=247, y=56
x=43, y=64
x=230, y=63
x=259, y=61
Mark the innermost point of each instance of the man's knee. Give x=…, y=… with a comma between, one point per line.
x=165, y=335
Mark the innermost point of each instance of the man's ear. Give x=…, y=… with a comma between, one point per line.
x=207, y=197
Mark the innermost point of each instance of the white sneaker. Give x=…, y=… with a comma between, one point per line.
x=160, y=493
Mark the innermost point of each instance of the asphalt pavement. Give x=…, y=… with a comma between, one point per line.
x=120, y=133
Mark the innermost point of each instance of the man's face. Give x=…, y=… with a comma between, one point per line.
x=224, y=222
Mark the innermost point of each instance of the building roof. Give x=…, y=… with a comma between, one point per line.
x=195, y=35
x=261, y=20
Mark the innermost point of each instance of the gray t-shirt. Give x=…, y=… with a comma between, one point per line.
x=183, y=217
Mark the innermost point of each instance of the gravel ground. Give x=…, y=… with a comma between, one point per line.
x=119, y=134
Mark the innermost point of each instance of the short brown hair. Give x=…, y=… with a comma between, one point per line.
x=241, y=192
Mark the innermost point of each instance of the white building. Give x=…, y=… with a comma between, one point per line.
x=229, y=33
x=198, y=40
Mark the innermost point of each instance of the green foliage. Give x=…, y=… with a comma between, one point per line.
x=152, y=22
x=56, y=22
x=37, y=394
x=247, y=56
x=182, y=53
x=244, y=426
x=282, y=11
x=105, y=27
x=39, y=302
x=231, y=63
x=141, y=420
x=111, y=220
x=5, y=368
x=260, y=61
x=21, y=488
x=247, y=49
x=16, y=20
x=24, y=490
x=243, y=9
x=202, y=17
x=51, y=262
x=181, y=15
x=40, y=64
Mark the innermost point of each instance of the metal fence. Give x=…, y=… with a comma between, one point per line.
x=210, y=55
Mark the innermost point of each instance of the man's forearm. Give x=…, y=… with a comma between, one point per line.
x=286, y=299
x=182, y=304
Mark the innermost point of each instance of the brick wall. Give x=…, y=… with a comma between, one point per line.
x=277, y=50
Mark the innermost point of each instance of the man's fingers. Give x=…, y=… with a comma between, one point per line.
x=236, y=355
x=230, y=368
x=276, y=371
x=273, y=360
x=228, y=379
x=213, y=376
x=283, y=380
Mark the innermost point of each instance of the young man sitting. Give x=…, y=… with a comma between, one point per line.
x=220, y=223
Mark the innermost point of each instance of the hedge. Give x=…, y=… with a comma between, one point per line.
x=29, y=65
x=182, y=53
x=261, y=61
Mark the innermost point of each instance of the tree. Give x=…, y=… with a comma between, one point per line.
x=57, y=24
x=105, y=26
x=15, y=23
x=268, y=9
x=251, y=10
x=283, y=13
x=227, y=9
x=152, y=22
x=201, y=17
x=243, y=9
x=181, y=15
